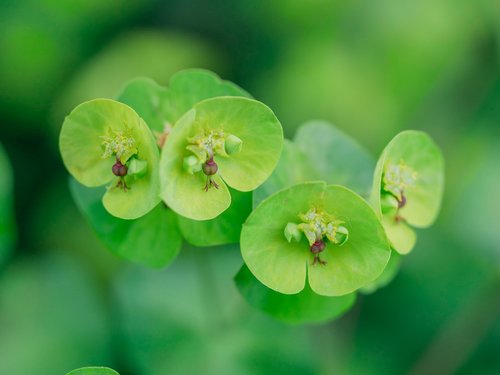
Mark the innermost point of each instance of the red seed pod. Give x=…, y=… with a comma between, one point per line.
x=210, y=167
x=119, y=169
x=318, y=246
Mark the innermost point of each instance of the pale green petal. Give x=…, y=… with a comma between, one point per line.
x=401, y=236
x=274, y=261
x=362, y=258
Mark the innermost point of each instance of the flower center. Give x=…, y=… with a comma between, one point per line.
x=120, y=144
x=396, y=179
x=317, y=226
x=123, y=146
x=204, y=148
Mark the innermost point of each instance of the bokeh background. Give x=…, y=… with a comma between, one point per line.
x=372, y=68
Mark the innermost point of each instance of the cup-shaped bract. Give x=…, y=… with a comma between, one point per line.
x=205, y=132
x=408, y=187
x=98, y=141
x=343, y=267
x=303, y=307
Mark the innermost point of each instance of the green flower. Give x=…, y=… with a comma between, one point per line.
x=408, y=187
x=325, y=233
x=225, y=140
x=104, y=142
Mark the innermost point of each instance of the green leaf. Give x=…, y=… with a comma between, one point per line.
x=153, y=240
x=6, y=206
x=224, y=229
x=337, y=158
x=292, y=168
x=320, y=152
x=82, y=147
x=162, y=106
x=281, y=265
x=390, y=272
x=147, y=98
x=93, y=371
x=304, y=307
x=249, y=120
x=191, y=86
x=423, y=198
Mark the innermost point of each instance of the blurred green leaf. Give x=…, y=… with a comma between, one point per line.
x=292, y=168
x=304, y=307
x=93, y=371
x=52, y=317
x=188, y=87
x=153, y=240
x=191, y=320
x=224, y=229
x=338, y=158
x=320, y=152
x=390, y=272
x=6, y=207
x=42, y=42
x=146, y=97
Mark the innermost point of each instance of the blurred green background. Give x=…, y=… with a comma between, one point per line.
x=371, y=68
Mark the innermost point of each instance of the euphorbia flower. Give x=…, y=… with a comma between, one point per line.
x=104, y=142
x=325, y=233
x=225, y=140
x=408, y=187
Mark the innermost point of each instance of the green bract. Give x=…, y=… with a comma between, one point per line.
x=222, y=140
x=336, y=262
x=99, y=140
x=153, y=239
x=320, y=152
x=408, y=187
x=304, y=307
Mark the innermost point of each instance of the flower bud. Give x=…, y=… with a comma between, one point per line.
x=137, y=168
x=210, y=167
x=191, y=164
x=232, y=144
x=389, y=204
x=341, y=235
x=292, y=232
x=119, y=169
